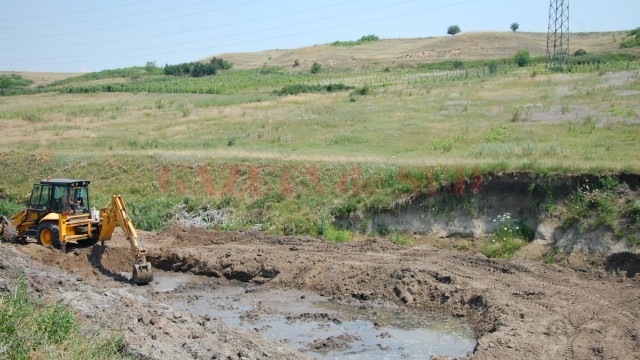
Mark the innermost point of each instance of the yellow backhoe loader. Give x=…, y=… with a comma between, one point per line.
x=59, y=212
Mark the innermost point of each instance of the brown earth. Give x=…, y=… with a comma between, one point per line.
x=518, y=309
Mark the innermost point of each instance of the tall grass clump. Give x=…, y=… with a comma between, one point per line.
x=331, y=233
x=34, y=329
x=400, y=238
x=509, y=236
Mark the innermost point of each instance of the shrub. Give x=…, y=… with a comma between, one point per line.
x=514, y=27
x=220, y=64
x=362, y=40
x=13, y=80
x=629, y=43
x=315, y=68
x=197, y=69
x=493, y=67
x=580, y=52
x=522, y=58
x=453, y=29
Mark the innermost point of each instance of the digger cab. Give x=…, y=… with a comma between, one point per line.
x=60, y=196
x=58, y=212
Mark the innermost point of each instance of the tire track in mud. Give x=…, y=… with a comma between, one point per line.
x=518, y=309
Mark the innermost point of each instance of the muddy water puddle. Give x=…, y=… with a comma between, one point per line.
x=320, y=328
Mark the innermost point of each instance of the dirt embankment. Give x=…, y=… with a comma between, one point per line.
x=518, y=309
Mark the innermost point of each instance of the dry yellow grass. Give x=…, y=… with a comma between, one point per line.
x=41, y=78
x=464, y=46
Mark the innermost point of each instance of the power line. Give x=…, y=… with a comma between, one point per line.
x=183, y=31
x=265, y=39
x=77, y=12
x=229, y=36
x=131, y=25
x=146, y=12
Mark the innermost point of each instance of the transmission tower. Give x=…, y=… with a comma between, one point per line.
x=558, y=34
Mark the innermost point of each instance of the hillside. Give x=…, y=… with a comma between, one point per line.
x=390, y=52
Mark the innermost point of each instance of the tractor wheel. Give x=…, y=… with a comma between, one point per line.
x=48, y=235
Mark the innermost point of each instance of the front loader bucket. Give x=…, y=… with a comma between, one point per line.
x=142, y=274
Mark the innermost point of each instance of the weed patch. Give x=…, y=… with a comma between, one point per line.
x=509, y=236
x=398, y=238
x=30, y=327
x=330, y=233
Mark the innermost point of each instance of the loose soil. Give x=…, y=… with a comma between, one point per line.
x=518, y=309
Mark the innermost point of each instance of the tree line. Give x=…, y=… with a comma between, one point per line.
x=197, y=69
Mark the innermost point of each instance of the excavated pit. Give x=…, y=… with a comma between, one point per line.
x=317, y=326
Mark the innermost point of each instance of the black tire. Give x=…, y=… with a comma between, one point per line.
x=48, y=234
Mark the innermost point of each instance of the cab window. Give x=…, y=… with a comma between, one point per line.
x=79, y=199
x=40, y=197
x=60, y=199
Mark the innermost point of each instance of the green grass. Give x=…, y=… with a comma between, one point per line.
x=398, y=238
x=509, y=236
x=330, y=233
x=34, y=329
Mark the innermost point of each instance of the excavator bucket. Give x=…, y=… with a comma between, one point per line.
x=142, y=274
x=7, y=231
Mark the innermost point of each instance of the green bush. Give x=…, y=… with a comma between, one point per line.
x=453, y=29
x=629, y=43
x=197, y=69
x=493, y=67
x=13, y=80
x=315, y=68
x=362, y=40
x=522, y=58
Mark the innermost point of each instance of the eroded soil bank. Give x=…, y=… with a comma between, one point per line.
x=517, y=308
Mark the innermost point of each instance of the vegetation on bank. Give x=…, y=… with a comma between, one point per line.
x=34, y=329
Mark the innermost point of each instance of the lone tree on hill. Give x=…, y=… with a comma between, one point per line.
x=515, y=26
x=453, y=29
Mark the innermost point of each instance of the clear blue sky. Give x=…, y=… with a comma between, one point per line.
x=75, y=35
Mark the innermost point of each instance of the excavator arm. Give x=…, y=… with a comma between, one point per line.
x=117, y=215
